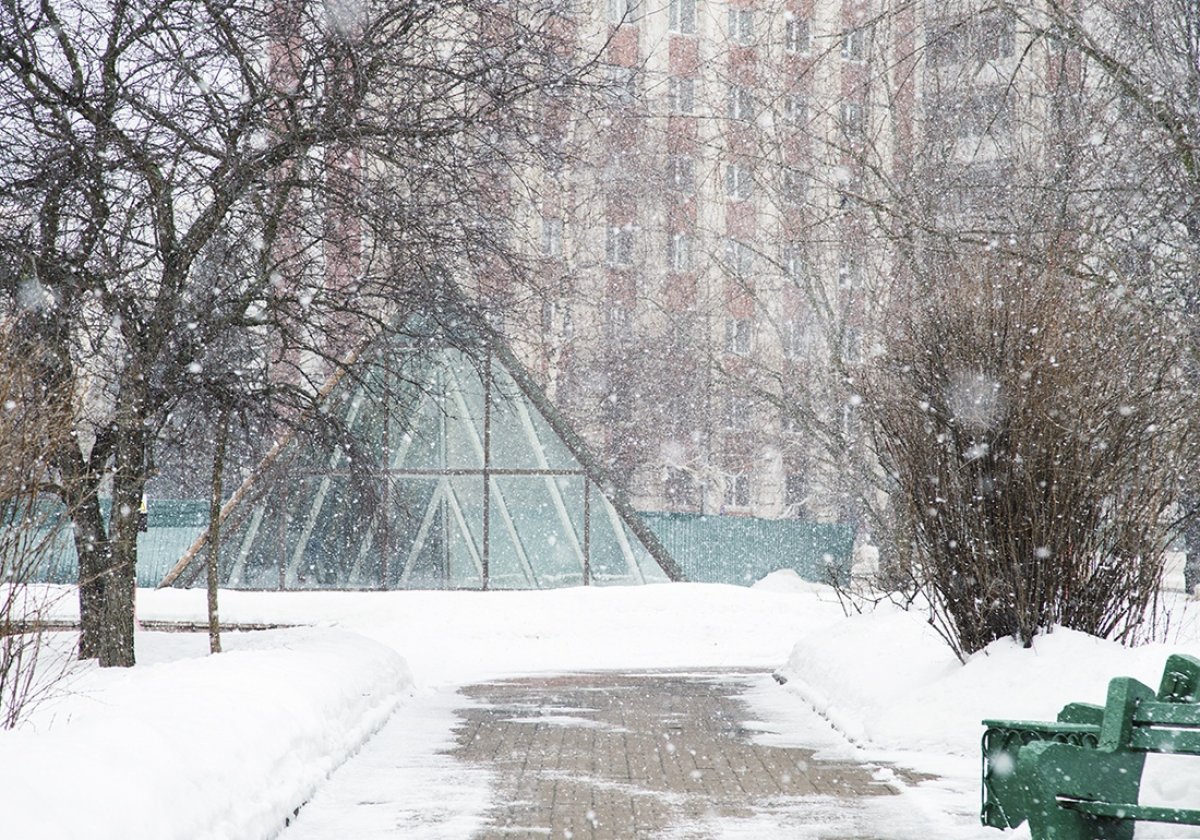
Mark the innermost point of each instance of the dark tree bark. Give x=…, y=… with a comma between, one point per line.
x=214, y=531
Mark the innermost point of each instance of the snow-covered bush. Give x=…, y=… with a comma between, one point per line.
x=1035, y=429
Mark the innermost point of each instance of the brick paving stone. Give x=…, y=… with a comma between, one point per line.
x=622, y=756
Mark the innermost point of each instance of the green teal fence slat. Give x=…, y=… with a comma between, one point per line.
x=743, y=549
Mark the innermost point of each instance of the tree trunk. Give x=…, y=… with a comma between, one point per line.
x=92, y=549
x=1191, y=544
x=82, y=499
x=214, y=532
x=129, y=485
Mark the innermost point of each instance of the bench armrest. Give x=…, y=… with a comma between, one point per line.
x=1005, y=804
x=1087, y=713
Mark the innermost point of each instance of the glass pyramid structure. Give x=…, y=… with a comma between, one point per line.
x=450, y=470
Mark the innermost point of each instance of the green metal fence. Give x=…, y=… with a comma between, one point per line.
x=173, y=524
x=743, y=549
x=710, y=549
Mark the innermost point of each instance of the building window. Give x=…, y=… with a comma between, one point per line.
x=792, y=345
x=741, y=26
x=795, y=187
x=740, y=104
x=799, y=338
x=795, y=35
x=556, y=321
x=738, y=333
x=945, y=44
x=854, y=43
x=853, y=120
x=681, y=173
x=620, y=165
x=988, y=111
x=619, y=246
x=679, y=252
x=996, y=35
x=681, y=95
x=623, y=85
x=988, y=37
x=683, y=16
x=679, y=488
x=985, y=111
x=623, y=11
x=739, y=412
x=739, y=180
x=552, y=237
x=852, y=345
x=794, y=495
x=739, y=258
x=737, y=490
x=620, y=323
x=794, y=263
x=680, y=331
x=795, y=109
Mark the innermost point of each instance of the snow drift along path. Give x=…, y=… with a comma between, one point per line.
x=194, y=746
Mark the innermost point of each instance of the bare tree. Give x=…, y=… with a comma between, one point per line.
x=343, y=154
x=33, y=423
x=1142, y=62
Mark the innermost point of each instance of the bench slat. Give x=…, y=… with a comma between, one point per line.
x=1176, y=714
x=1154, y=739
x=1040, y=726
x=1149, y=813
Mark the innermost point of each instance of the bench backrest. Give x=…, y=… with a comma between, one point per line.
x=1137, y=718
x=1180, y=679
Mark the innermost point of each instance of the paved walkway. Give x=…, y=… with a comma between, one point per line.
x=647, y=755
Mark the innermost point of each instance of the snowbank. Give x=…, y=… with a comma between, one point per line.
x=889, y=683
x=201, y=746
x=887, y=680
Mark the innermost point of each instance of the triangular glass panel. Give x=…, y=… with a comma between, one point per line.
x=611, y=554
x=534, y=509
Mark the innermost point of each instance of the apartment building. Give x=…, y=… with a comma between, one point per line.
x=717, y=234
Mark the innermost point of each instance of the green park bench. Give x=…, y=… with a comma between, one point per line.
x=1077, y=778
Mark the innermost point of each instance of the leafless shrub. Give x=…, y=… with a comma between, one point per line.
x=32, y=422
x=1035, y=430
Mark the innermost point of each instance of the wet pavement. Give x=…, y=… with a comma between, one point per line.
x=650, y=755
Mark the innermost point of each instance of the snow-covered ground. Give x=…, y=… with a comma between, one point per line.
x=188, y=745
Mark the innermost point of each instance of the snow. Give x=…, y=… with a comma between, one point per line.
x=191, y=745
x=408, y=786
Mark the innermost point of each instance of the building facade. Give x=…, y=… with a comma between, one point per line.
x=703, y=248
x=713, y=243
